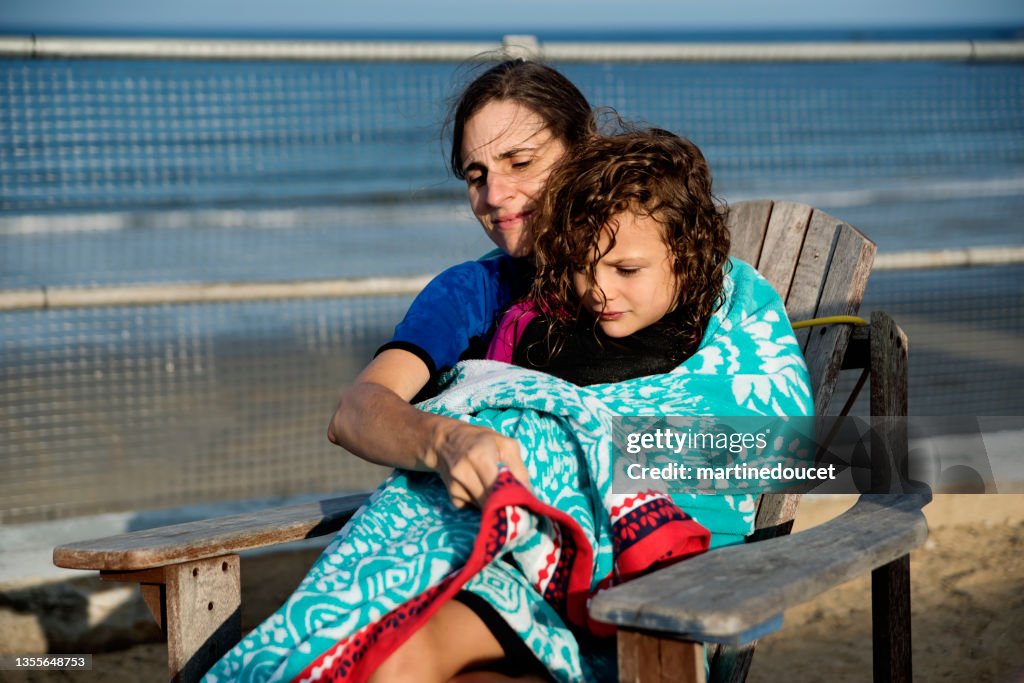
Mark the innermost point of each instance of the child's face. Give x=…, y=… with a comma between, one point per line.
x=635, y=283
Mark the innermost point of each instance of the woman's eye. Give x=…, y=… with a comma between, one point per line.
x=627, y=272
x=520, y=165
x=475, y=181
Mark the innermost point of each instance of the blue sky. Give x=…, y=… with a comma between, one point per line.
x=383, y=15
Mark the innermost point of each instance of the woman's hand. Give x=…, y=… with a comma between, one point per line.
x=468, y=459
x=375, y=421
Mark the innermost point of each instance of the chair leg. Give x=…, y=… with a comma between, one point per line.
x=890, y=584
x=203, y=615
x=731, y=663
x=644, y=658
x=890, y=621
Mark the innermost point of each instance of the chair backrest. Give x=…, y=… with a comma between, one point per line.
x=820, y=267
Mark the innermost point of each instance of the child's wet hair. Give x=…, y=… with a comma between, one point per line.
x=650, y=172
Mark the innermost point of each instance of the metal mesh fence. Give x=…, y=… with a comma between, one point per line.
x=965, y=327
x=142, y=407
x=136, y=171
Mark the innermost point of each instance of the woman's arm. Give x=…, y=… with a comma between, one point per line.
x=376, y=422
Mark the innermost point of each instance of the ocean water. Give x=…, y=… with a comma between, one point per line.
x=139, y=171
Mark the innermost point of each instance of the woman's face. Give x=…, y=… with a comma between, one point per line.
x=507, y=153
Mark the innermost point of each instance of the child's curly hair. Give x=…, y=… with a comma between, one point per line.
x=650, y=172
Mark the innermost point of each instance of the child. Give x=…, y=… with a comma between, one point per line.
x=631, y=250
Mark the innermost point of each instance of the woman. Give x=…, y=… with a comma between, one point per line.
x=510, y=126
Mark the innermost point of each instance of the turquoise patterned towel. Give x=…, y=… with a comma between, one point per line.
x=536, y=558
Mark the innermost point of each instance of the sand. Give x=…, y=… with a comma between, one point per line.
x=968, y=606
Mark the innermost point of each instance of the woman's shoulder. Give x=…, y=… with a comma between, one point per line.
x=493, y=271
x=468, y=274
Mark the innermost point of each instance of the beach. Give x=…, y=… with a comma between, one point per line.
x=967, y=605
x=126, y=173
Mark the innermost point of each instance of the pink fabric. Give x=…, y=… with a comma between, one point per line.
x=510, y=331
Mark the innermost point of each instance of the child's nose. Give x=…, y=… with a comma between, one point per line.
x=602, y=292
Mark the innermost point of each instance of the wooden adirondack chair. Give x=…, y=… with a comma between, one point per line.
x=189, y=573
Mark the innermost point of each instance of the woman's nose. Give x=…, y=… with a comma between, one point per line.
x=500, y=188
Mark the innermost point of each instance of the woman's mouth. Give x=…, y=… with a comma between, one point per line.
x=610, y=315
x=511, y=221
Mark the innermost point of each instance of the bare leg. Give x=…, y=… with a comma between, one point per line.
x=452, y=640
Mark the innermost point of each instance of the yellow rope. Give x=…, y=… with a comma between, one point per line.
x=831, y=320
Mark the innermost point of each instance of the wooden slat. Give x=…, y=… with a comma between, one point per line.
x=738, y=593
x=156, y=600
x=681, y=661
x=809, y=278
x=209, y=538
x=782, y=244
x=747, y=223
x=732, y=663
x=644, y=658
x=773, y=510
x=890, y=622
x=630, y=653
x=889, y=355
x=844, y=287
x=204, y=616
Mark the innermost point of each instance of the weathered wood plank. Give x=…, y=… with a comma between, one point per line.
x=732, y=663
x=782, y=244
x=889, y=355
x=809, y=277
x=747, y=224
x=738, y=590
x=210, y=537
x=153, y=594
x=682, y=661
x=775, y=509
x=847, y=278
x=204, y=617
x=646, y=658
x=155, y=575
x=890, y=622
x=890, y=584
x=629, y=646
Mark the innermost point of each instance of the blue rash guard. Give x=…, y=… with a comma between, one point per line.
x=455, y=314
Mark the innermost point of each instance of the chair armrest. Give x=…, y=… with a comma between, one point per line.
x=208, y=538
x=737, y=594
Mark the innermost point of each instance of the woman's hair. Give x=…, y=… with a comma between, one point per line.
x=544, y=91
x=649, y=172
